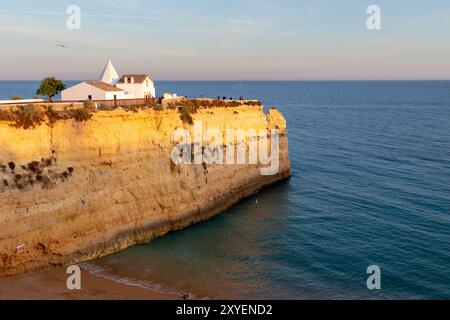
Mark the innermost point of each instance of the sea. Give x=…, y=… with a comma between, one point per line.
x=370, y=186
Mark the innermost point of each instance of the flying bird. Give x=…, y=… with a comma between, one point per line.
x=59, y=45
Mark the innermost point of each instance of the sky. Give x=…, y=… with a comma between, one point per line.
x=226, y=39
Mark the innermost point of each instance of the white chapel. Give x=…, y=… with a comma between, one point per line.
x=110, y=86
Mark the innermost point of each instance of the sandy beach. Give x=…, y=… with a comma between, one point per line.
x=50, y=284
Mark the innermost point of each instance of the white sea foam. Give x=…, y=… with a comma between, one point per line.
x=101, y=272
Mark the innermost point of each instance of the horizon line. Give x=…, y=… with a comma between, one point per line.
x=257, y=80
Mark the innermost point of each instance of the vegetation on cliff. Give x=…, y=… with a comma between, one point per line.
x=33, y=115
x=185, y=115
x=196, y=104
x=41, y=173
x=28, y=116
x=50, y=87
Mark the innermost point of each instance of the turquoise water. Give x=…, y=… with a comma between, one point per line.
x=370, y=185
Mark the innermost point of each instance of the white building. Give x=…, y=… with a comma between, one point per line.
x=139, y=85
x=109, y=74
x=169, y=95
x=110, y=87
x=93, y=90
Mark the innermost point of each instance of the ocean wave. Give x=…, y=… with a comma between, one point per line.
x=101, y=272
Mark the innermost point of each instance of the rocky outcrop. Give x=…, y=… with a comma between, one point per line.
x=92, y=188
x=276, y=121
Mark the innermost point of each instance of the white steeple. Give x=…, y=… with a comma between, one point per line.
x=109, y=74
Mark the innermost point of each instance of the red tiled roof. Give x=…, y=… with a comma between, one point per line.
x=138, y=78
x=103, y=86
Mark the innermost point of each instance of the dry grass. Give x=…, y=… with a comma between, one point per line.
x=197, y=104
x=28, y=117
x=32, y=116
x=80, y=115
x=185, y=115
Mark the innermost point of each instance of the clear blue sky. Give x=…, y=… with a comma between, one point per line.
x=227, y=39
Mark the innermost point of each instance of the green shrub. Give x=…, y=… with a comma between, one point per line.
x=196, y=104
x=6, y=115
x=52, y=116
x=81, y=115
x=50, y=87
x=89, y=105
x=28, y=117
x=253, y=103
x=185, y=115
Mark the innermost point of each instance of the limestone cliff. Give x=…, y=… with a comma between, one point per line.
x=73, y=191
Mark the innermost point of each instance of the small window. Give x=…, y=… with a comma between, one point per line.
x=115, y=96
x=89, y=97
x=146, y=82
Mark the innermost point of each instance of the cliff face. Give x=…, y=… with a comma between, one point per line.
x=77, y=191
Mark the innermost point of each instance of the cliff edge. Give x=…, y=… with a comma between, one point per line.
x=73, y=191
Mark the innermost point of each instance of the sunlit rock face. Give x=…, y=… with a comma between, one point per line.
x=79, y=191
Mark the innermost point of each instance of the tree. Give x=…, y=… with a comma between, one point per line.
x=50, y=87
